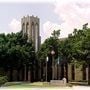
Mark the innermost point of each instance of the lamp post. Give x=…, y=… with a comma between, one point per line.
x=46, y=67
x=53, y=53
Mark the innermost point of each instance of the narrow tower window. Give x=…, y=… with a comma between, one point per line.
x=36, y=37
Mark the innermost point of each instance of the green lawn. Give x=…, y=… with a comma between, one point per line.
x=28, y=84
x=39, y=84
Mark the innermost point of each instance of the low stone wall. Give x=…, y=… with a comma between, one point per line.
x=58, y=82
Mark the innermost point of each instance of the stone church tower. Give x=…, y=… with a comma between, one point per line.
x=30, y=27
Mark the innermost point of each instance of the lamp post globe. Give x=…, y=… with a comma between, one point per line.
x=47, y=58
x=52, y=52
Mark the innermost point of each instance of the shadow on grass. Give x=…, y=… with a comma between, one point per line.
x=79, y=83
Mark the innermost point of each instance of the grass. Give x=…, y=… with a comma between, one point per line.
x=29, y=85
x=39, y=85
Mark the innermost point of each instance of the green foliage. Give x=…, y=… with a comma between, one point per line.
x=75, y=47
x=15, y=51
x=48, y=45
x=56, y=33
x=3, y=80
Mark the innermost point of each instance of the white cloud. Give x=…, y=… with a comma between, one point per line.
x=27, y=1
x=48, y=28
x=73, y=13
x=15, y=26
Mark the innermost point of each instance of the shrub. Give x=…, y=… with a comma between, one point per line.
x=3, y=79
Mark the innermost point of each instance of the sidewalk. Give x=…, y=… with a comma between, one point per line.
x=54, y=88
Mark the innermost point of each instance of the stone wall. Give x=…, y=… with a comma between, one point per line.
x=78, y=73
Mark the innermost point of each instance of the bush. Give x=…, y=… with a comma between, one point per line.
x=3, y=79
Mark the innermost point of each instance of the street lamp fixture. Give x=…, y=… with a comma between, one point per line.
x=52, y=52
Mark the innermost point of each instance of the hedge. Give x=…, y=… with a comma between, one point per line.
x=3, y=79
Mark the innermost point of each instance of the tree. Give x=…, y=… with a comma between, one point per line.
x=52, y=42
x=15, y=51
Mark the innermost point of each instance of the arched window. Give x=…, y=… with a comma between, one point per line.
x=23, y=27
x=36, y=36
x=27, y=28
x=32, y=30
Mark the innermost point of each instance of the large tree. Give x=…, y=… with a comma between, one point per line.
x=15, y=51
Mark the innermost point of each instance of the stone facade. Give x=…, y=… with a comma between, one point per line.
x=80, y=73
x=30, y=26
x=70, y=71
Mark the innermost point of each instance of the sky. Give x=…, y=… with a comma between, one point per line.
x=56, y=14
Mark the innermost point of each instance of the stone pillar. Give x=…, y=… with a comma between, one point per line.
x=14, y=75
x=34, y=73
x=29, y=74
x=55, y=72
x=84, y=72
x=73, y=71
x=20, y=74
x=87, y=73
x=59, y=71
x=25, y=73
x=62, y=71
x=8, y=74
x=69, y=73
x=66, y=67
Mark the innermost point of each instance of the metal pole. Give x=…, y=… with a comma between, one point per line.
x=57, y=71
x=46, y=67
x=46, y=71
x=52, y=52
x=52, y=67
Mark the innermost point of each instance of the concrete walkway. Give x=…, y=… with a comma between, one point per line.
x=54, y=88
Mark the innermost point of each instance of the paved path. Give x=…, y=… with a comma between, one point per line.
x=54, y=88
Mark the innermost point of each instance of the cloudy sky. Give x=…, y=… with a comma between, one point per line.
x=58, y=14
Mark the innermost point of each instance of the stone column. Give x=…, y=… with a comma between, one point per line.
x=24, y=72
x=59, y=71
x=8, y=74
x=20, y=74
x=29, y=74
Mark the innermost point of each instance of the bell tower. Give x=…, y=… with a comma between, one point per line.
x=30, y=27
